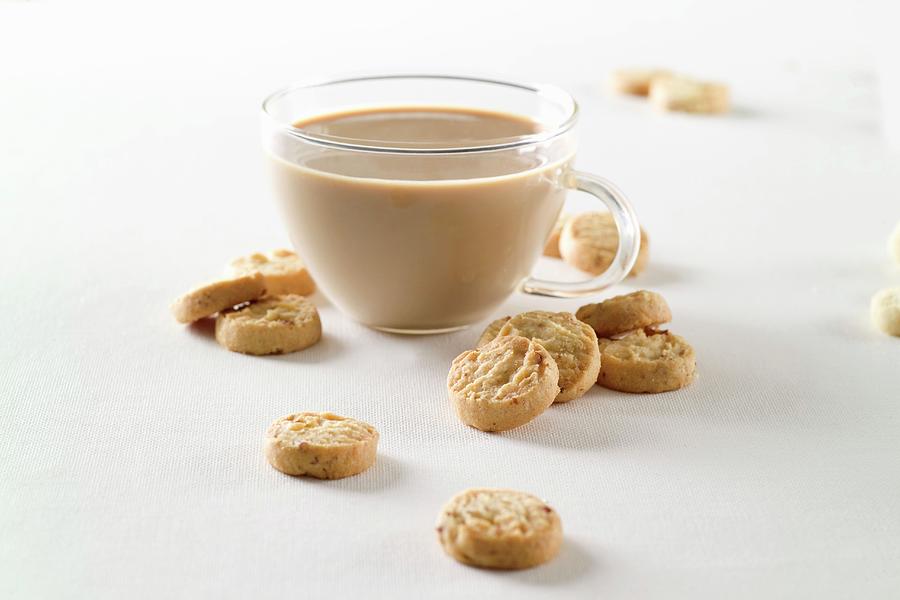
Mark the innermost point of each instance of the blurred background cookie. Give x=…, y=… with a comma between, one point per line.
x=635, y=81
x=684, y=94
x=589, y=242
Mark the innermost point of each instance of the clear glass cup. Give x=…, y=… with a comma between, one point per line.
x=409, y=238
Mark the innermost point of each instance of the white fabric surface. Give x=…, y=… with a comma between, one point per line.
x=130, y=462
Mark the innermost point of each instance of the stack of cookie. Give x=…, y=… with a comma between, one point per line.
x=636, y=356
x=589, y=241
x=521, y=366
x=261, y=305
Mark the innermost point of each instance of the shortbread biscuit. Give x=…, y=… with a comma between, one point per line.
x=689, y=95
x=504, y=384
x=273, y=325
x=622, y=314
x=491, y=331
x=283, y=271
x=635, y=81
x=641, y=363
x=894, y=244
x=885, y=310
x=589, y=242
x=571, y=343
x=321, y=445
x=212, y=297
x=551, y=246
x=499, y=529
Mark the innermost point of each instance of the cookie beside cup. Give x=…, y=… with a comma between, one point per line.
x=273, y=325
x=503, y=384
x=571, y=343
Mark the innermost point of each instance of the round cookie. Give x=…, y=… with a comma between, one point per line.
x=894, y=244
x=621, y=314
x=571, y=343
x=689, y=95
x=321, y=445
x=504, y=384
x=210, y=298
x=283, y=271
x=885, y=310
x=551, y=246
x=639, y=363
x=635, y=81
x=589, y=242
x=273, y=325
x=491, y=331
x=499, y=529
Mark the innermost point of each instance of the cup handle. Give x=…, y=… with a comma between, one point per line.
x=629, y=242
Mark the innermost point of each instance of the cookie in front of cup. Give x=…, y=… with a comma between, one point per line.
x=637, y=357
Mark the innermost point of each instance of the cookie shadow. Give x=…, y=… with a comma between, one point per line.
x=743, y=111
x=573, y=562
x=572, y=426
x=660, y=274
x=204, y=328
x=386, y=473
x=727, y=397
x=322, y=351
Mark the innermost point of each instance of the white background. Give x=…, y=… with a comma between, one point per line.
x=129, y=446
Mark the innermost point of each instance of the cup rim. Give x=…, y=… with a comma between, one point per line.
x=551, y=92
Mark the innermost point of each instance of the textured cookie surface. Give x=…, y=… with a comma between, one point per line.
x=503, y=384
x=625, y=313
x=689, y=95
x=283, y=271
x=210, y=298
x=885, y=310
x=894, y=244
x=635, y=81
x=571, y=343
x=273, y=325
x=551, y=246
x=491, y=331
x=589, y=242
x=499, y=529
x=321, y=445
x=641, y=363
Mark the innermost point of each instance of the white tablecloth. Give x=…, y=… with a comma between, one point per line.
x=130, y=462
